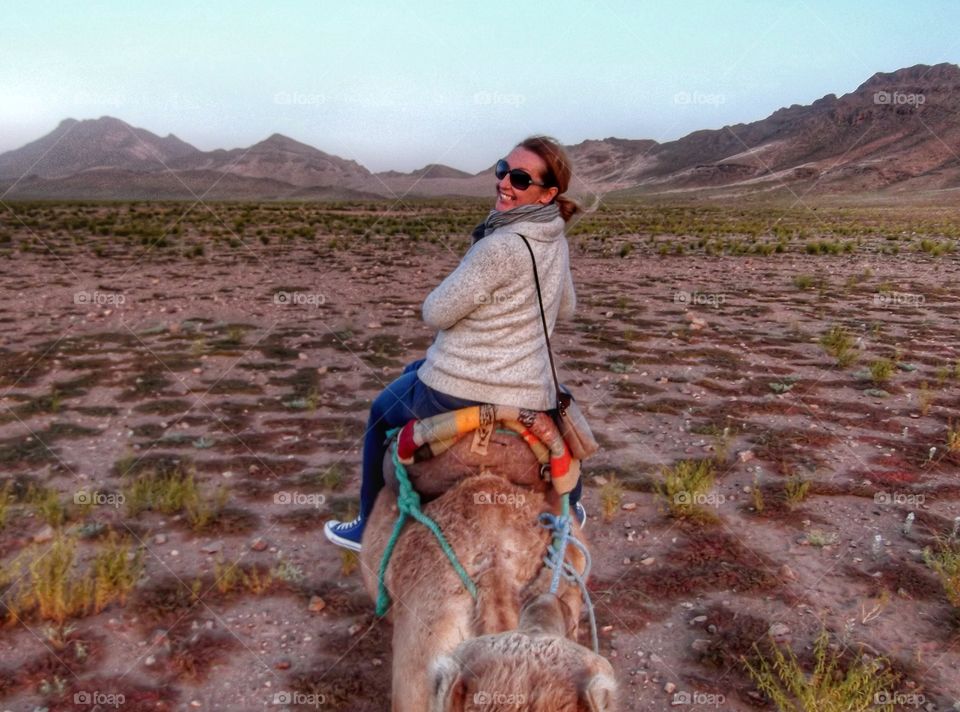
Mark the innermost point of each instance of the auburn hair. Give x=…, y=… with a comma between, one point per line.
x=559, y=171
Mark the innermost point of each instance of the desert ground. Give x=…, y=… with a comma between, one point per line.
x=184, y=389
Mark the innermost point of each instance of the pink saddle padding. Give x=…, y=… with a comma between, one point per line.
x=507, y=455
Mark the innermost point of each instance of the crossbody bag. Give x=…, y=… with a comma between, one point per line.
x=570, y=419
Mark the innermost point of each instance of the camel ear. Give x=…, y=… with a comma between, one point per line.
x=546, y=613
x=599, y=693
x=449, y=689
x=569, y=619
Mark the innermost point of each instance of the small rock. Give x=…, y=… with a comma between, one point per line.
x=258, y=544
x=649, y=561
x=317, y=604
x=211, y=548
x=160, y=539
x=745, y=455
x=354, y=629
x=43, y=536
x=282, y=664
x=628, y=506
x=787, y=573
x=376, y=662
x=196, y=703
x=698, y=619
x=669, y=688
x=779, y=631
x=373, y=325
x=700, y=645
x=150, y=660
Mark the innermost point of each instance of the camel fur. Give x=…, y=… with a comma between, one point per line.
x=453, y=653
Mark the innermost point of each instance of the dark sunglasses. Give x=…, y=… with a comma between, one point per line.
x=519, y=178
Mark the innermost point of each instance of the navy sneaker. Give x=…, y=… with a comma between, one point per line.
x=581, y=514
x=345, y=534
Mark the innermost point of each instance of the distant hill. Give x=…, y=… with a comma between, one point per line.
x=76, y=146
x=897, y=132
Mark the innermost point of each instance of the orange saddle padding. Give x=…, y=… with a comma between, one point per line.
x=516, y=443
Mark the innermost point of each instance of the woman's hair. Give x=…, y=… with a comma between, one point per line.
x=559, y=171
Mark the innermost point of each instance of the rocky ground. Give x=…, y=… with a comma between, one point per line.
x=247, y=371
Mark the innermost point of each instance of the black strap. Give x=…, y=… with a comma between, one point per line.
x=563, y=399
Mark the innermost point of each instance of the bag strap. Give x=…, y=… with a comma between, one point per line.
x=563, y=399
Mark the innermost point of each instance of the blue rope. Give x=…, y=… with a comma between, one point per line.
x=559, y=525
x=408, y=502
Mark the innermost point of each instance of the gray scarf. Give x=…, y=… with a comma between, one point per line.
x=522, y=213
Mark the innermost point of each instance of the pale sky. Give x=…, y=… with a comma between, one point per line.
x=399, y=85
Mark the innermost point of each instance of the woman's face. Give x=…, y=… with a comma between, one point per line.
x=510, y=197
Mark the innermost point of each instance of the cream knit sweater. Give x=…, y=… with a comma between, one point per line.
x=490, y=346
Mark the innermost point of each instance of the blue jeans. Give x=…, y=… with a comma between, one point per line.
x=404, y=399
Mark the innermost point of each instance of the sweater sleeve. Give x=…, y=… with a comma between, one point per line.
x=568, y=299
x=485, y=267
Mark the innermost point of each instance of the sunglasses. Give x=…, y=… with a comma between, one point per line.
x=519, y=178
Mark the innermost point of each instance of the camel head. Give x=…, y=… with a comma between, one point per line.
x=535, y=668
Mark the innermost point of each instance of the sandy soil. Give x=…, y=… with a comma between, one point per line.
x=676, y=357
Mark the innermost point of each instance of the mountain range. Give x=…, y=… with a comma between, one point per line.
x=896, y=133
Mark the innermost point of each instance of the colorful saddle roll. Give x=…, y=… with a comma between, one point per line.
x=423, y=439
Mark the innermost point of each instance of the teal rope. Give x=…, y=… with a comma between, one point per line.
x=408, y=501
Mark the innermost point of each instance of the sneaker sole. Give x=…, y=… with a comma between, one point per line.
x=583, y=525
x=335, y=538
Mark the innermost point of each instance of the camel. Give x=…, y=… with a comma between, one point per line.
x=514, y=647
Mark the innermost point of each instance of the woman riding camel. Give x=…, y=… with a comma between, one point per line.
x=490, y=345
